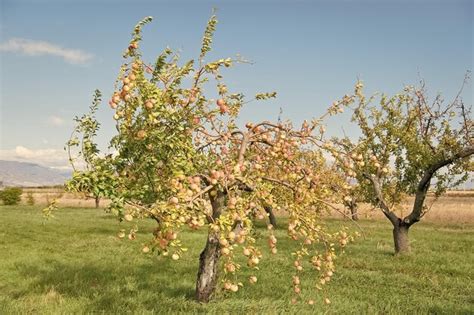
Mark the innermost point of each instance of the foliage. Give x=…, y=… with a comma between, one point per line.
x=11, y=195
x=181, y=160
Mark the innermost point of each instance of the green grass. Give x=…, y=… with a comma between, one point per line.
x=75, y=264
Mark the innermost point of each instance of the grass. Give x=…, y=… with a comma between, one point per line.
x=75, y=264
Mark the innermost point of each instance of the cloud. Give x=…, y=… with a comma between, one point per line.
x=56, y=121
x=56, y=158
x=31, y=47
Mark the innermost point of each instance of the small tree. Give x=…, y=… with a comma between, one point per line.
x=180, y=159
x=30, y=199
x=11, y=195
x=408, y=146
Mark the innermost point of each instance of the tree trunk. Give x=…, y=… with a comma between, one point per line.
x=209, y=259
x=353, y=208
x=97, y=201
x=400, y=238
x=271, y=216
x=207, y=274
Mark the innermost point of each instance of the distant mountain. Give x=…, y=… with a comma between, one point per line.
x=30, y=175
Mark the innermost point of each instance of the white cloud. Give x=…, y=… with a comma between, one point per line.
x=39, y=48
x=55, y=158
x=56, y=121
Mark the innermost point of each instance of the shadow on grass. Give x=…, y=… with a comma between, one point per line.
x=104, y=285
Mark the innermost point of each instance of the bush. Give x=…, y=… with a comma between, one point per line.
x=11, y=195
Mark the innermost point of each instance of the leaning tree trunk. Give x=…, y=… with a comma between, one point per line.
x=209, y=259
x=271, y=216
x=400, y=238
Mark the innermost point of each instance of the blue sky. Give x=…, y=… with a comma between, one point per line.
x=55, y=53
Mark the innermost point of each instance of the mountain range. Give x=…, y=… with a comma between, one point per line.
x=23, y=174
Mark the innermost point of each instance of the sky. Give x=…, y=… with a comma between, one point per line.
x=54, y=54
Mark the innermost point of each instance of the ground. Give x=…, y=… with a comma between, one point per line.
x=76, y=264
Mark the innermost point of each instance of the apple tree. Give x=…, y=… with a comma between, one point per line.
x=408, y=146
x=179, y=158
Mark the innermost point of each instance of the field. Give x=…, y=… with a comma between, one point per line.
x=456, y=207
x=75, y=264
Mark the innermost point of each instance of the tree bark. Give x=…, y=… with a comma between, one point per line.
x=271, y=216
x=400, y=238
x=353, y=208
x=97, y=201
x=209, y=259
x=207, y=274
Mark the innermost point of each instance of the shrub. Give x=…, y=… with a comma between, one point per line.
x=11, y=195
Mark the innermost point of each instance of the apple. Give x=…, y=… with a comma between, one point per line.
x=136, y=65
x=141, y=134
x=223, y=109
x=220, y=102
x=296, y=280
x=230, y=268
x=149, y=104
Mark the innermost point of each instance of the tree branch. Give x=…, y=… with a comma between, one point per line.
x=425, y=181
x=382, y=203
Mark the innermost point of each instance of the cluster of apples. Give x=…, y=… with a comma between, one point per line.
x=272, y=241
x=131, y=235
x=128, y=82
x=227, y=243
x=223, y=108
x=377, y=165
